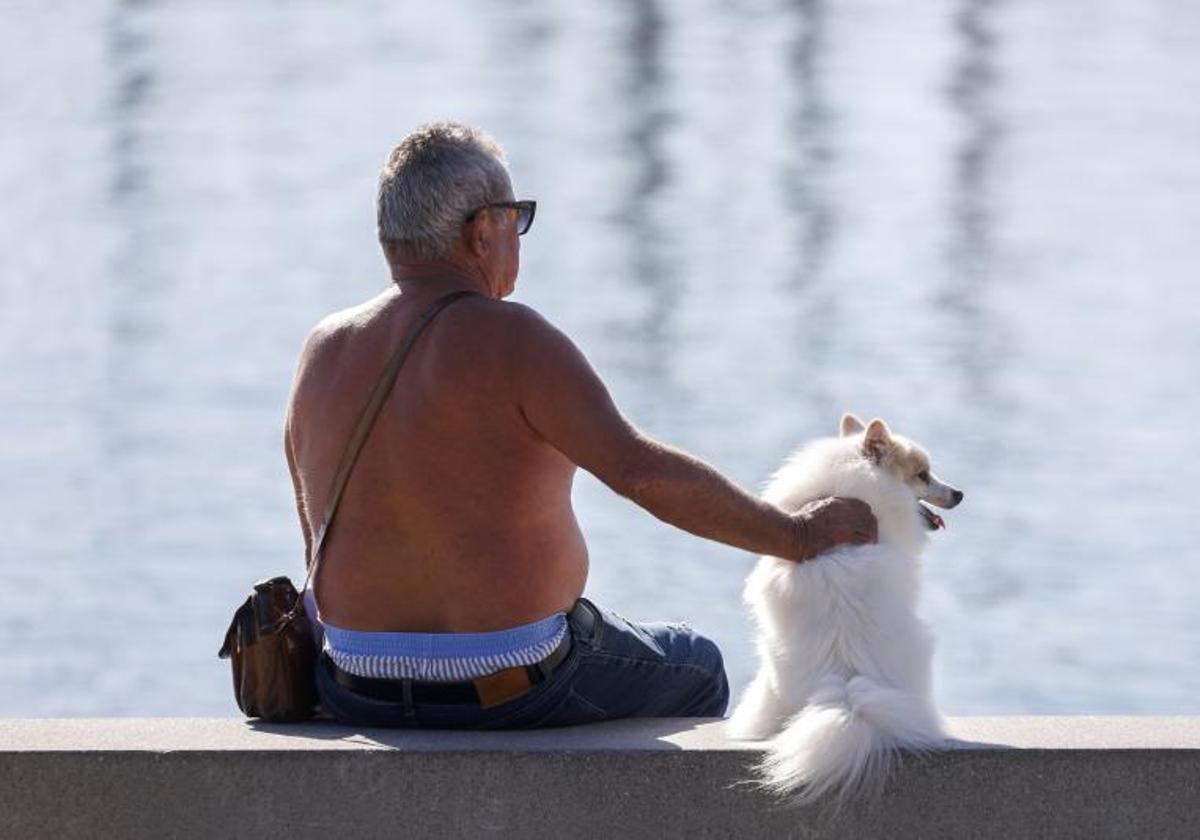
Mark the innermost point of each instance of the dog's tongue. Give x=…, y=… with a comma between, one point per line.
x=932, y=521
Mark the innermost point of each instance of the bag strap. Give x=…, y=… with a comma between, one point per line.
x=363, y=428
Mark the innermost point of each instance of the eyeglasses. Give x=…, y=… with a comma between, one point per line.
x=525, y=211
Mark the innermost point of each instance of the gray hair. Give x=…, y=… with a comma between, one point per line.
x=431, y=182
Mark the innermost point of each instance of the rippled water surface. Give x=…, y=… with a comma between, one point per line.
x=977, y=219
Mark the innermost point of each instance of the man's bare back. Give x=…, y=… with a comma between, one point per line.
x=458, y=517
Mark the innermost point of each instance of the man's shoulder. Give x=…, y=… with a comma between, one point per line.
x=516, y=337
x=338, y=325
x=528, y=321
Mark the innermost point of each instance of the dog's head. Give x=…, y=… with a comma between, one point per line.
x=906, y=461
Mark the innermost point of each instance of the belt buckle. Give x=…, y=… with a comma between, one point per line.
x=502, y=686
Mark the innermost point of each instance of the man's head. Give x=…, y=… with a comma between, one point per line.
x=432, y=204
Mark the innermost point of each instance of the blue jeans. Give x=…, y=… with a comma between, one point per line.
x=616, y=669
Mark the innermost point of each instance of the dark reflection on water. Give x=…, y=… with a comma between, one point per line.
x=974, y=91
x=977, y=350
x=641, y=214
x=133, y=84
x=810, y=202
x=134, y=291
x=807, y=188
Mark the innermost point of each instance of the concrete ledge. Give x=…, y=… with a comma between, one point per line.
x=1005, y=777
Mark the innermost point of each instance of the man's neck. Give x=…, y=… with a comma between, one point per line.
x=437, y=277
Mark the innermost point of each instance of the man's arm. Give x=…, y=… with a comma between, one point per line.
x=565, y=402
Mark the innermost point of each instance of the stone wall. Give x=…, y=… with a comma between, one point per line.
x=1006, y=777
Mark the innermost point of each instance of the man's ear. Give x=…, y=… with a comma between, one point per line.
x=477, y=235
x=851, y=425
x=877, y=441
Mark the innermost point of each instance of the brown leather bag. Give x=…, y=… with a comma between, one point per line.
x=273, y=653
x=270, y=642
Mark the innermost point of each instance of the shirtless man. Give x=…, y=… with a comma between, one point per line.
x=450, y=587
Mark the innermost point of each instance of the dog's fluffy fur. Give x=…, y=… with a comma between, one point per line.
x=844, y=681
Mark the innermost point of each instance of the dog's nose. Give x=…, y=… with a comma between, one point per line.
x=958, y=496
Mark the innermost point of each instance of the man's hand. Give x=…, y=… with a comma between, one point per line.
x=834, y=521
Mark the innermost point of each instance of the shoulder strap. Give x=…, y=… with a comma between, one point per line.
x=363, y=428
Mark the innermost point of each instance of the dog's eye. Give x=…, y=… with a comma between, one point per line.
x=923, y=475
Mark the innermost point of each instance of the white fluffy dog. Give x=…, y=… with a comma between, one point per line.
x=844, y=681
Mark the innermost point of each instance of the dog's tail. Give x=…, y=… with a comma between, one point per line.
x=847, y=739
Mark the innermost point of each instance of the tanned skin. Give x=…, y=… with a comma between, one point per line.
x=458, y=515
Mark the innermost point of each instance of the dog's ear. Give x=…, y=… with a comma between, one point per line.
x=851, y=425
x=877, y=441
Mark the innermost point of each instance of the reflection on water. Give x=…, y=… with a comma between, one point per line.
x=974, y=218
x=650, y=266
x=972, y=91
x=808, y=197
x=806, y=191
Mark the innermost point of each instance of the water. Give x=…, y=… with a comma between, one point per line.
x=975, y=218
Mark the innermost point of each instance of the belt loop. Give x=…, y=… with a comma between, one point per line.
x=406, y=688
x=585, y=617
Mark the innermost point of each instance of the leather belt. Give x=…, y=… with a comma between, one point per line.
x=490, y=690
